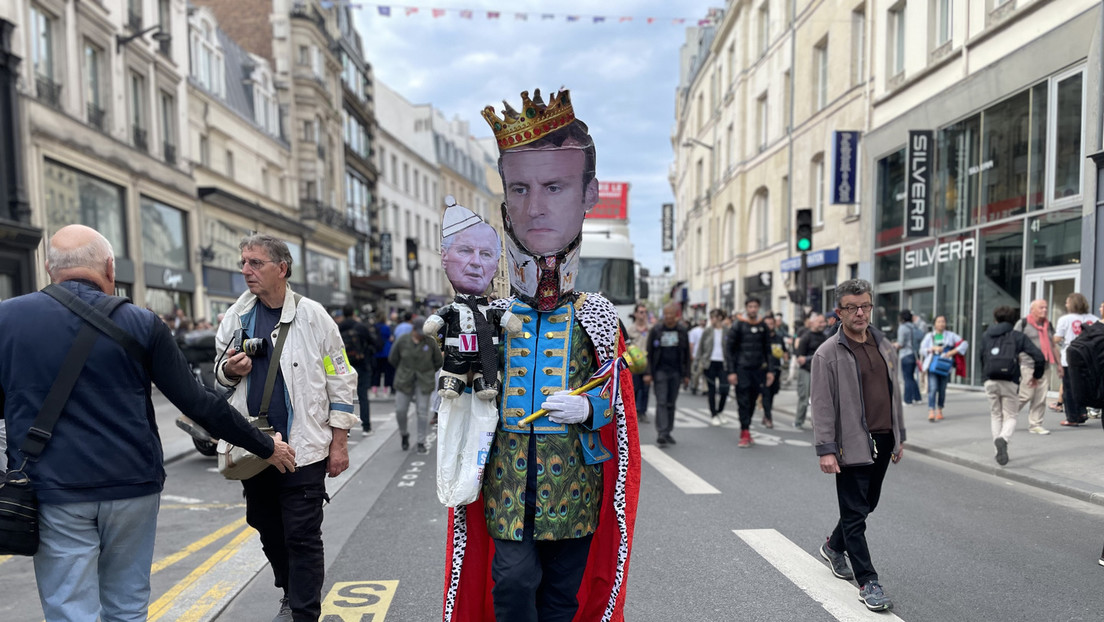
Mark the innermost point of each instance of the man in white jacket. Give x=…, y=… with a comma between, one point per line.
x=312, y=404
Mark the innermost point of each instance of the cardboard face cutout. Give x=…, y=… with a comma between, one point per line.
x=547, y=163
x=470, y=249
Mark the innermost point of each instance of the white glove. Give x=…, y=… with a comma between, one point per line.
x=432, y=325
x=565, y=408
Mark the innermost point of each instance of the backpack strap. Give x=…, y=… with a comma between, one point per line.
x=42, y=428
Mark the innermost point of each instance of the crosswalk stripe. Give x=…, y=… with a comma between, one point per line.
x=673, y=470
x=839, y=598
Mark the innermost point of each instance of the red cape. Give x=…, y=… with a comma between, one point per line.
x=601, y=594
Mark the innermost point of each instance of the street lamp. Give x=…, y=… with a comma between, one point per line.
x=160, y=36
x=690, y=142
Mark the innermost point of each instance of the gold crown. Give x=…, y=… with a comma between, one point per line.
x=534, y=121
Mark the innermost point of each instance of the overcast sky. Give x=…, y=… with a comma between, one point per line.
x=622, y=77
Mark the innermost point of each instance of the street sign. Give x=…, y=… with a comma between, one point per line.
x=668, y=227
x=845, y=149
x=918, y=168
x=385, y=252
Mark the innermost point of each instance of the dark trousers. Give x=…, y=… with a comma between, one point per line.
x=858, y=489
x=908, y=370
x=364, y=381
x=749, y=386
x=768, y=394
x=640, y=392
x=666, y=384
x=1075, y=412
x=716, y=386
x=538, y=580
x=286, y=510
x=383, y=374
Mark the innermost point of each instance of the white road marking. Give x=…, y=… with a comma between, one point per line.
x=672, y=469
x=839, y=598
x=177, y=499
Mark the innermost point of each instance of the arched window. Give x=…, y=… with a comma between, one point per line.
x=206, y=53
x=266, y=110
x=731, y=245
x=760, y=218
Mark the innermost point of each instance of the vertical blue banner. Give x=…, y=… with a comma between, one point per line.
x=845, y=150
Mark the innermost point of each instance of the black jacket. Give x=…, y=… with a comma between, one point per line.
x=749, y=347
x=807, y=347
x=1023, y=344
x=683, y=346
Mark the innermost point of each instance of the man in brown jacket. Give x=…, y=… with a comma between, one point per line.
x=856, y=407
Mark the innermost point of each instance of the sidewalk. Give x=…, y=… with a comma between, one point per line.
x=1069, y=461
x=176, y=443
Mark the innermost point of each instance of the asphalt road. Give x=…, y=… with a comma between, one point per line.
x=722, y=534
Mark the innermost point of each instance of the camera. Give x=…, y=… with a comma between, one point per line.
x=252, y=347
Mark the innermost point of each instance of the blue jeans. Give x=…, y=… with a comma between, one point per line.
x=908, y=370
x=937, y=390
x=94, y=559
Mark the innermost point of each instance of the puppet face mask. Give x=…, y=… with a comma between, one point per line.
x=470, y=258
x=546, y=199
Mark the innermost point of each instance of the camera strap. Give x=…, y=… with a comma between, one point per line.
x=273, y=369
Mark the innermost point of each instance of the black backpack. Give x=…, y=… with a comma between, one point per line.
x=355, y=348
x=1085, y=356
x=1004, y=364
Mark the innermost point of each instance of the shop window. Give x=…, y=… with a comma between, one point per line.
x=887, y=266
x=955, y=192
x=1067, y=97
x=164, y=235
x=1054, y=239
x=955, y=285
x=1005, y=167
x=920, y=259
x=1001, y=273
x=74, y=197
x=1037, y=150
x=298, y=274
x=890, y=199
x=887, y=309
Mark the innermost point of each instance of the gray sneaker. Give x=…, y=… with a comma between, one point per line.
x=285, y=612
x=874, y=598
x=1002, y=451
x=838, y=562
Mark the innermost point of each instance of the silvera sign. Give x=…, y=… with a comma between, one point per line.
x=918, y=165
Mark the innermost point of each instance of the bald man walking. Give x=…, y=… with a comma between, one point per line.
x=99, y=474
x=668, y=367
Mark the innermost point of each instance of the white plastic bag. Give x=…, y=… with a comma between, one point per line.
x=465, y=430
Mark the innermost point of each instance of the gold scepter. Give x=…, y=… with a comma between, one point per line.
x=579, y=391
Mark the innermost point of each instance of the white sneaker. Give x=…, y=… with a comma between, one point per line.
x=1038, y=429
x=716, y=420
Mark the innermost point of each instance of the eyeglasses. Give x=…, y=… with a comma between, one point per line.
x=254, y=264
x=851, y=309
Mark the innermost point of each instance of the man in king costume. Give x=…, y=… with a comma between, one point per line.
x=550, y=536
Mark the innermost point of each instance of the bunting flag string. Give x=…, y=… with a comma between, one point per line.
x=391, y=10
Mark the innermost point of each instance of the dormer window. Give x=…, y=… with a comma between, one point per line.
x=206, y=53
x=266, y=110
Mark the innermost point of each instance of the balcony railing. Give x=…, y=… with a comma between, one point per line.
x=313, y=209
x=170, y=152
x=48, y=91
x=134, y=20
x=96, y=116
x=139, y=134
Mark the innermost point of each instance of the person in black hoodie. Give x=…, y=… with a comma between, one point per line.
x=751, y=367
x=668, y=366
x=1000, y=363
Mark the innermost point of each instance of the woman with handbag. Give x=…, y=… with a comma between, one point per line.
x=939, y=349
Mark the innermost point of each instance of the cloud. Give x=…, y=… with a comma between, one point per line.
x=622, y=77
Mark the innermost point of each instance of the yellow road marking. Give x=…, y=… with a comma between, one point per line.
x=4, y=558
x=161, y=606
x=197, y=611
x=353, y=601
x=164, y=563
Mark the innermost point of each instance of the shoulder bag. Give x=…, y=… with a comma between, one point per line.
x=18, y=501
x=237, y=463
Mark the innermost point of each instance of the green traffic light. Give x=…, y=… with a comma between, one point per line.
x=804, y=244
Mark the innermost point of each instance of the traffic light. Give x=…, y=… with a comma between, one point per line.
x=804, y=230
x=411, y=254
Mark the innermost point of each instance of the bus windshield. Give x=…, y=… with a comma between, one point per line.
x=613, y=278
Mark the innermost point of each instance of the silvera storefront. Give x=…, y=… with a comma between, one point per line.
x=984, y=197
